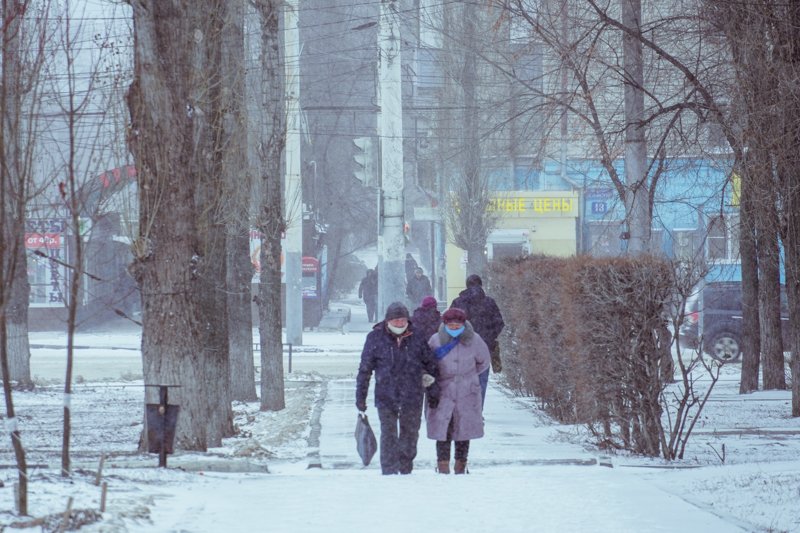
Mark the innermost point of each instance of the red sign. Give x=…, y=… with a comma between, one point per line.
x=42, y=240
x=116, y=175
x=310, y=265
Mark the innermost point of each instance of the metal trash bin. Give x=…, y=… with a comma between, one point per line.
x=161, y=419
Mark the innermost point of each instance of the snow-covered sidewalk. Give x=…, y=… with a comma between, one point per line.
x=526, y=474
x=523, y=478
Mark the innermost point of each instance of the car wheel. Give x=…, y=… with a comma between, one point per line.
x=725, y=347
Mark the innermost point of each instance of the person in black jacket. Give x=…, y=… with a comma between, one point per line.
x=418, y=287
x=486, y=320
x=368, y=290
x=403, y=365
x=427, y=318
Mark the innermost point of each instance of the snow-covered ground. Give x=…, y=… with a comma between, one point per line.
x=297, y=470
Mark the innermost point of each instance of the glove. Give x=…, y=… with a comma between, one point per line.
x=434, y=391
x=427, y=380
x=361, y=405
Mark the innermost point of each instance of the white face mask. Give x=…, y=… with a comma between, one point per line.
x=397, y=330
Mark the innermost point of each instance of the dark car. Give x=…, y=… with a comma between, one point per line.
x=714, y=313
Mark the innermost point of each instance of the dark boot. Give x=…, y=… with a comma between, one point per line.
x=443, y=466
x=461, y=467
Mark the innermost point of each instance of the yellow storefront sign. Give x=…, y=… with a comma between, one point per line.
x=532, y=206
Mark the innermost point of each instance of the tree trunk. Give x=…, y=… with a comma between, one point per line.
x=239, y=185
x=751, y=331
x=240, y=317
x=16, y=170
x=791, y=195
x=177, y=110
x=270, y=220
x=769, y=287
x=19, y=351
x=788, y=172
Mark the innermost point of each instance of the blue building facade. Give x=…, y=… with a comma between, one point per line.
x=695, y=211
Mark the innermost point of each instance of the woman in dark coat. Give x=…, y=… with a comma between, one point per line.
x=427, y=318
x=458, y=416
x=399, y=358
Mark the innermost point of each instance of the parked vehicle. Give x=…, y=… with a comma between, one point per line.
x=714, y=314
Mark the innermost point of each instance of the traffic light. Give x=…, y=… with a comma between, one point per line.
x=364, y=158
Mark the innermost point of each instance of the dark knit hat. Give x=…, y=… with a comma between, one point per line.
x=474, y=280
x=429, y=302
x=454, y=314
x=396, y=310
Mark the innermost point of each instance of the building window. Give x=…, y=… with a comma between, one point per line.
x=683, y=244
x=722, y=238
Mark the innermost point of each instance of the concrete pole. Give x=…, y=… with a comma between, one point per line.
x=391, y=245
x=292, y=193
x=637, y=201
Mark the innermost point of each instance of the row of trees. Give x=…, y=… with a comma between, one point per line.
x=619, y=82
x=187, y=129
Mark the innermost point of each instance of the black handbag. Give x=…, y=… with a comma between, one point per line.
x=366, y=443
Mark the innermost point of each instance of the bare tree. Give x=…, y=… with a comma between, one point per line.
x=25, y=33
x=707, y=75
x=178, y=109
x=338, y=100
x=270, y=221
x=463, y=132
x=755, y=33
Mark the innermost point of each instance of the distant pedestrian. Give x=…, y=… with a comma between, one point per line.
x=485, y=317
x=427, y=318
x=403, y=365
x=418, y=287
x=368, y=290
x=411, y=266
x=458, y=416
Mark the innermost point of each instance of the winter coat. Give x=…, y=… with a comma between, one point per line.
x=426, y=321
x=460, y=388
x=418, y=288
x=411, y=267
x=368, y=288
x=398, y=369
x=482, y=312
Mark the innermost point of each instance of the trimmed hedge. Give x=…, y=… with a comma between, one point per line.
x=588, y=338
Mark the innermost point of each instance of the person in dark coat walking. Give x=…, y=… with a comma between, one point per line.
x=410, y=266
x=368, y=290
x=458, y=416
x=484, y=315
x=403, y=365
x=427, y=318
x=418, y=287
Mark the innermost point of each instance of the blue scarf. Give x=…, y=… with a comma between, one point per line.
x=444, y=349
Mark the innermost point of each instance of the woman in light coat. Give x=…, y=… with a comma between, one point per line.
x=461, y=355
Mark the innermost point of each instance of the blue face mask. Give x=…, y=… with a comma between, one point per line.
x=455, y=332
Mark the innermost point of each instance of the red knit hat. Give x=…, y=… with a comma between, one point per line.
x=429, y=302
x=454, y=314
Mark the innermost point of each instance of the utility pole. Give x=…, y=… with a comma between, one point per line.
x=292, y=194
x=637, y=191
x=391, y=244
